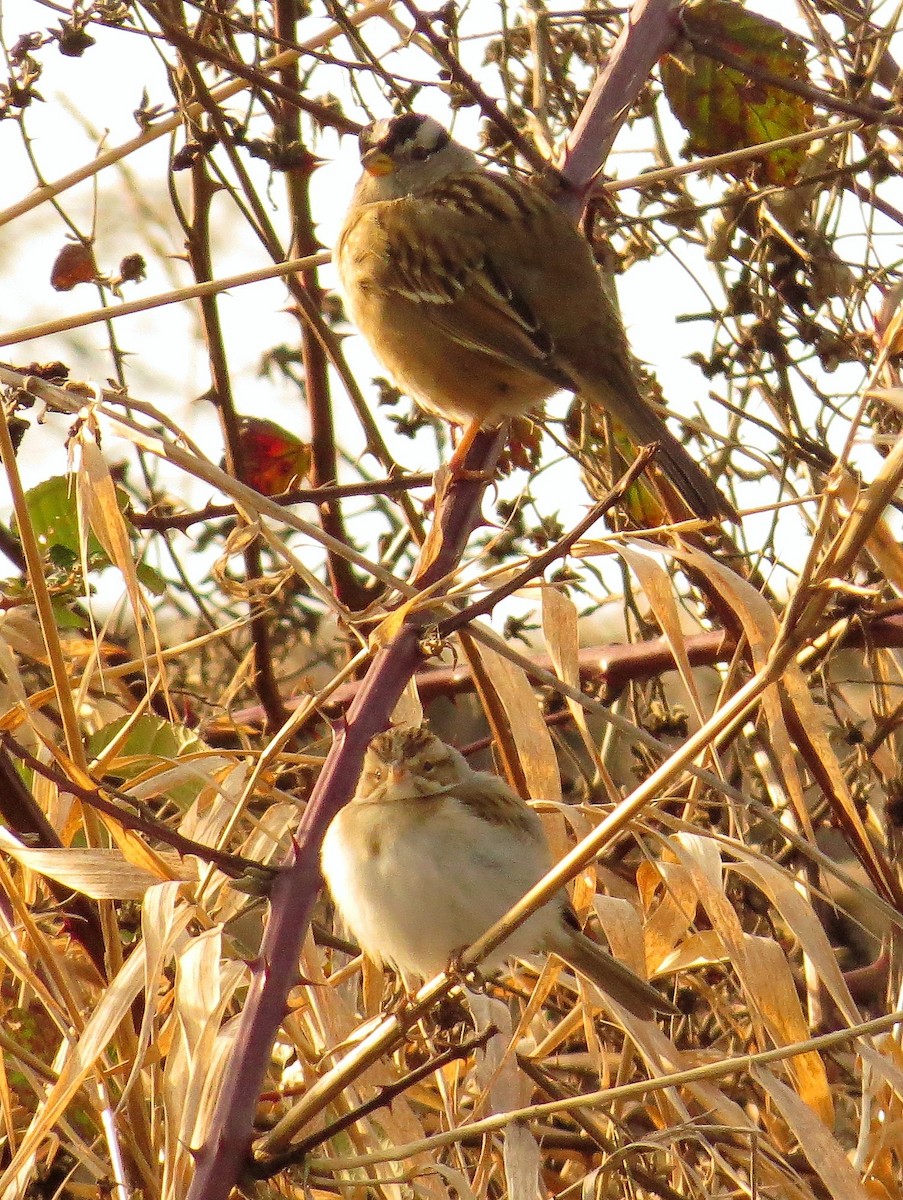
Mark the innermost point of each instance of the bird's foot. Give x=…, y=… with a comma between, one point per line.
x=401, y=1002
x=463, y=974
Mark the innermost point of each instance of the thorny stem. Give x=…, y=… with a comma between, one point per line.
x=325, y=115
x=167, y=125
x=350, y=591
x=488, y=106
x=606, y=1097
x=233, y=865
x=605, y=669
x=223, y=1154
x=540, y=562
x=648, y=32
x=319, y=344
x=24, y=816
x=267, y=1168
x=198, y=245
x=319, y=495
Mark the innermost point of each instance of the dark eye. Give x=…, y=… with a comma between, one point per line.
x=376, y=774
x=427, y=767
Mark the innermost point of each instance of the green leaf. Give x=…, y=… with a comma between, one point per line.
x=151, y=579
x=64, y=617
x=151, y=742
x=724, y=108
x=149, y=738
x=51, y=508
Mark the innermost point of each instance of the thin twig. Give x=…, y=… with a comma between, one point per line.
x=266, y=1168
x=24, y=816
x=314, y=495
x=592, y=1128
x=168, y=125
x=558, y=550
x=352, y=592
x=605, y=1098
x=233, y=865
x=176, y=296
x=463, y=78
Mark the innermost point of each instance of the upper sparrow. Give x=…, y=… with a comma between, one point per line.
x=481, y=299
x=429, y=853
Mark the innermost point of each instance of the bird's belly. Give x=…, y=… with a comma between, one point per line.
x=425, y=894
x=454, y=381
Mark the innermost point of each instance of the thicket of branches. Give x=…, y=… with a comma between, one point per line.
x=206, y=617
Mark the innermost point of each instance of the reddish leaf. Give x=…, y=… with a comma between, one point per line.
x=273, y=459
x=74, y=265
x=724, y=108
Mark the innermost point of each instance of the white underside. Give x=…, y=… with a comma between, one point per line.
x=435, y=888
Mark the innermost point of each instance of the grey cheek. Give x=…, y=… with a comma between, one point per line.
x=492, y=863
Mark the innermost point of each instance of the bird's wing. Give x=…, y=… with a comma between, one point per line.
x=488, y=797
x=441, y=250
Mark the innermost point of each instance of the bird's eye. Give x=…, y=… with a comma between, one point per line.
x=427, y=767
x=376, y=774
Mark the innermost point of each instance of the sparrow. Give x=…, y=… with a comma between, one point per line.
x=481, y=299
x=430, y=853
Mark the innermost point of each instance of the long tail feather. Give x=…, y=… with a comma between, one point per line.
x=616, y=980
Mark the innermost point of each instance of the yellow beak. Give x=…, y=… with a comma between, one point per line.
x=377, y=162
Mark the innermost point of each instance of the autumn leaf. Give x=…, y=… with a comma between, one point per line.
x=724, y=108
x=273, y=459
x=73, y=265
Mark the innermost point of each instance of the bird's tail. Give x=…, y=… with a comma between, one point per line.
x=611, y=976
x=643, y=425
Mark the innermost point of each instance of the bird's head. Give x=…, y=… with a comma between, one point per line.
x=404, y=155
x=408, y=763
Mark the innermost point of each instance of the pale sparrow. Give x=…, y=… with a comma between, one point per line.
x=481, y=299
x=429, y=853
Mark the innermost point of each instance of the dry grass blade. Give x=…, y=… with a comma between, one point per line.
x=760, y=628
x=799, y=916
x=198, y=1055
x=522, y=737
x=644, y=560
x=821, y=1149
x=77, y=1063
x=560, y=630
x=760, y=964
x=101, y=874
